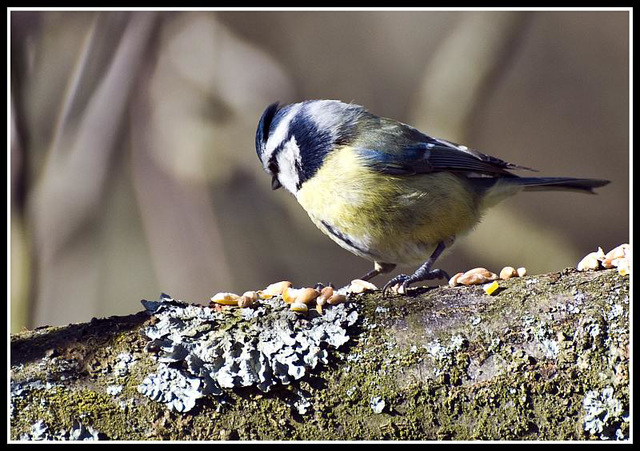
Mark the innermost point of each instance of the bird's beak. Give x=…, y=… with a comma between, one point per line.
x=275, y=183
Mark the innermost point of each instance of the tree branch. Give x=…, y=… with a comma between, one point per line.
x=546, y=358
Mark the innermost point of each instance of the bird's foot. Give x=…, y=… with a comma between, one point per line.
x=402, y=281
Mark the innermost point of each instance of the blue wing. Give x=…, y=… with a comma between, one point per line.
x=430, y=155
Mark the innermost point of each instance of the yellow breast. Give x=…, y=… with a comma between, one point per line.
x=395, y=219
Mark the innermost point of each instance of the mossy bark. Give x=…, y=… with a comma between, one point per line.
x=544, y=358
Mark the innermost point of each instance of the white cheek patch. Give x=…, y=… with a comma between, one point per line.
x=288, y=159
x=277, y=136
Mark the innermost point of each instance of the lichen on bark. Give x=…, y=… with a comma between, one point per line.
x=546, y=357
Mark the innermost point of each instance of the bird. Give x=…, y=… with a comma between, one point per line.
x=384, y=190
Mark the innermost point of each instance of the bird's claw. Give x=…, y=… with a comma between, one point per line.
x=404, y=280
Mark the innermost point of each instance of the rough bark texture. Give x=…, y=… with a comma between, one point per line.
x=544, y=358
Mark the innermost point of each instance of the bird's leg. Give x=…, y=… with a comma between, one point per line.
x=378, y=268
x=424, y=272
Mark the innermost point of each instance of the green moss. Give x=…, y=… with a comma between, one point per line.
x=449, y=363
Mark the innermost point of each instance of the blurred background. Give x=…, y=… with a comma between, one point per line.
x=133, y=164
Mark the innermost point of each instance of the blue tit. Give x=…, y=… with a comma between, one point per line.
x=382, y=189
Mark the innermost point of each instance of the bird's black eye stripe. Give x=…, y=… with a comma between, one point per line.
x=273, y=159
x=273, y=166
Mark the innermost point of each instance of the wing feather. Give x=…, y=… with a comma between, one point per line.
x=416, y=153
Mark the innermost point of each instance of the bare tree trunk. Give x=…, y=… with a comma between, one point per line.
x=544, y=358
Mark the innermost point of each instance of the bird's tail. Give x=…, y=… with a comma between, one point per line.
x=494, y=190
x=558, y=183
